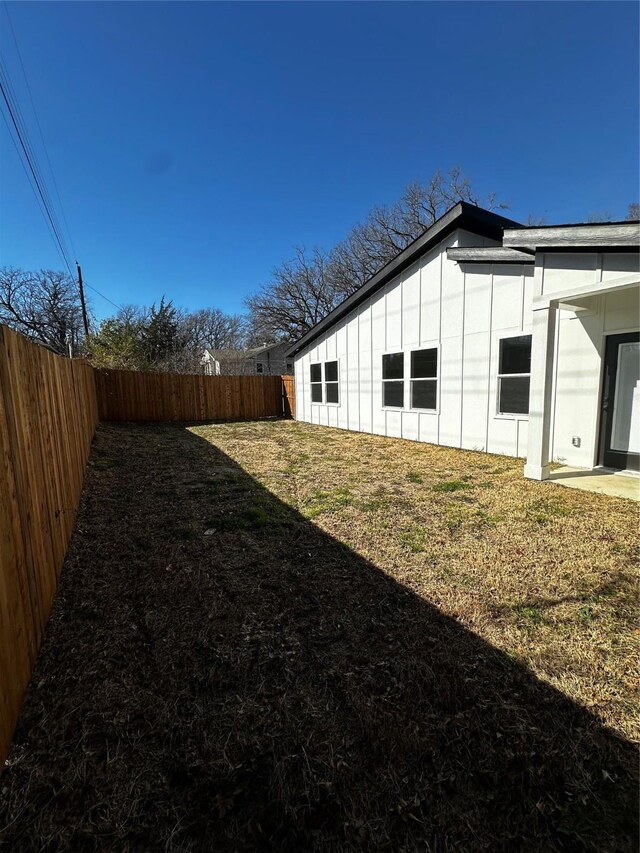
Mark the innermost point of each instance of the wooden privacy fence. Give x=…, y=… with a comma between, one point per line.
x=127, y=395
x=288, y=397
x=49, y=409
x=48, y=415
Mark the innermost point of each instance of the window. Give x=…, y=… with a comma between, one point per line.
x=328, y=371
x=424, y=379
x=259, y=368
x=514, y=373
x=316, y=383
x=331, y=381
x=393, y=380
x=289, y=367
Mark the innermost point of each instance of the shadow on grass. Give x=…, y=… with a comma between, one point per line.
x=220, y=674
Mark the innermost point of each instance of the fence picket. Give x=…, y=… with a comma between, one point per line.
x=48, y=415
x=127, y=395
x=49, y=409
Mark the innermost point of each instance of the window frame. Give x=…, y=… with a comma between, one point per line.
x=312, y=383
x=510, y=416
x=323, y=382
x=335, y=382
x=436, y=379
x=385, y=407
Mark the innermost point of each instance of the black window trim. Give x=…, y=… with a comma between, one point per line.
x=323, y=382
x=335, y=382
x=436, y=379
x=384, y=406
x=313, y=383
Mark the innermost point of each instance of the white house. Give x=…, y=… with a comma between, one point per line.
x=268, y=360
x=209, y=363
x=487, y=335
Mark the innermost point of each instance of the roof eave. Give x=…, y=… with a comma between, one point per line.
x=490, y=255
x=610, y=236
x=461, y=215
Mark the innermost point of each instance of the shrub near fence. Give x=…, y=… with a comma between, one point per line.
x=48, y=415
x=49, y=409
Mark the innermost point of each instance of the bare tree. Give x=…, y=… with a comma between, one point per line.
x=600, y=216
x=213, y=329
x=633, y=213
x=388, y=230
x=533, y=220
x=306, y=288
x=44, y=306
x=299, y=295
x=164, y=338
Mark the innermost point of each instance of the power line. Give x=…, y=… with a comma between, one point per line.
x=28, y=176
x=17, y=114
x=106, y=298
x=22, y=132
x=25, y=135
x=30, y=162
x=35, y=113
x=4, y=91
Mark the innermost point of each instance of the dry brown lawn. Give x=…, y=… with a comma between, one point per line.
x=546, y=574
x=274, y=636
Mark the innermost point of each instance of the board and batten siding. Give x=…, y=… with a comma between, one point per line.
x=433, y=303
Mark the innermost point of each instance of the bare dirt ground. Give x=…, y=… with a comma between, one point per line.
x=273, y=636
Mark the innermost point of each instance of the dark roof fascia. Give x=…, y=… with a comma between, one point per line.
x=463, y=215
x=490, y=255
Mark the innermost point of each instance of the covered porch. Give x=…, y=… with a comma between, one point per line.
x=585, y=387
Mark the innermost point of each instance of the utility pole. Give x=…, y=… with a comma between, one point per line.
x=85, y=322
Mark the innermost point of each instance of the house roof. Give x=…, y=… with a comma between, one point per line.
x=485, y=223
x=239, y=354
x=491, y=255
x=584, y=236
x=231, y=354
x=265, y=348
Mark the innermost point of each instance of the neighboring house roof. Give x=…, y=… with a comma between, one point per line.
x=240, y=354
x=462, y=215
x=231, y=354
x=267, y=348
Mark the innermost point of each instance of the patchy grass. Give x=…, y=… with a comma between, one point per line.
x=449, y=486
x=543, y=510
x=320, y=502
x=274, y=636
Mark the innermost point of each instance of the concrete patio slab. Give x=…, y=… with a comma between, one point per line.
x=618, y=484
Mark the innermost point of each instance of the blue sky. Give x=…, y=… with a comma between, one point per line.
x=194, y=144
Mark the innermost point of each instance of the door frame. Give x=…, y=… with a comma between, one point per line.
x=606, y=456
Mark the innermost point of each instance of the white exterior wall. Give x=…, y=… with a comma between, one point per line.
x=434, y=303
x=580, y=346
x=464, y=311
